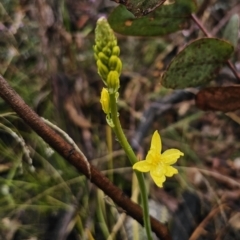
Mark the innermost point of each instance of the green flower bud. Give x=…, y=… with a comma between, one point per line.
x=95, y=49
x=99, y=46
x=103, y=58
x=104, y=33
x=95, y=56
x=105, y=101
x=102, y=71
x=113, y=43
x=107, y=51
x=116, y=51
x=113, y=82
x=115, y=64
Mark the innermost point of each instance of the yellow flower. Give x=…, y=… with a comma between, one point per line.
x=105, y=101
x=159, y=164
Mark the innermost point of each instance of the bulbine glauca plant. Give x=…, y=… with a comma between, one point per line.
x=106, y=52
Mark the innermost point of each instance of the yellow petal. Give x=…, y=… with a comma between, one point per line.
x=156, y=143
x=150, y=156
x=158, y=179
x=170, y=171
x=142, y=166
x=171, y=156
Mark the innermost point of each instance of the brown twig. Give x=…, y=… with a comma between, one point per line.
x=75, y=158
x=200, y=229
x=204, y=30
x=202, y=7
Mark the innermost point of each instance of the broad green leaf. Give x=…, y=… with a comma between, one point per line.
x=165, y=19
x=197, y=63
x=231, y=31
x=140, y=7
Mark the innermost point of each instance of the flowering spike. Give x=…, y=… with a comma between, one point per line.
x=159, y=164
x=106, y=53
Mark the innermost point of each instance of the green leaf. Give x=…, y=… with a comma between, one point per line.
x=197, y=63
x=164, y=20
x=140, y=7
x=231, y=31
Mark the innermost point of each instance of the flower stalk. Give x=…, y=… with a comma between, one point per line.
x=133, y=159
x=109, y=65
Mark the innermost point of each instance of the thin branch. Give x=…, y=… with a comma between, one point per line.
x=204, y=30
x=68, y=152
x=235, y=10
x=69, y=140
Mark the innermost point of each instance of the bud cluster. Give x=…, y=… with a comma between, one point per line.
x=106, y=53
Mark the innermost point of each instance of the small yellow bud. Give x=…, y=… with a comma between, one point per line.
x=105, y=101
x=113, y=82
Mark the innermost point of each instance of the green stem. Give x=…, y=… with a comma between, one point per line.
x=133, y=159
